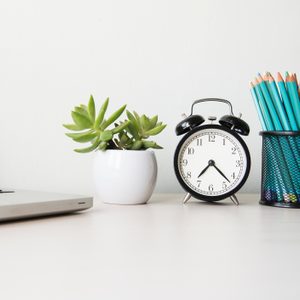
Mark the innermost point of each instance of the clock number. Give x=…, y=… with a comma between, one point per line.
x=198, y=182
x=211, y=187
x=212, y=138
x=233, y=175
x=238, y=163
x=224, y=141
x=191, y=151
x=224, y=185
x=199, y=142
x=233, y=149
x=184, y=162
x=188, y=174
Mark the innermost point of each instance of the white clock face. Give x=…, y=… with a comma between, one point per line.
x=212, y=162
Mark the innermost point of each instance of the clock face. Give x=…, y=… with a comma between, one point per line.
x=212, y=163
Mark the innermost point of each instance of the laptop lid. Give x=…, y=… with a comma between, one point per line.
x=27, y=204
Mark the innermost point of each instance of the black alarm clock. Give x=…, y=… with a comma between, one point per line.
x=212, y=162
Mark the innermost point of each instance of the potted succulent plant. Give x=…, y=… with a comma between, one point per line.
x=123, y=174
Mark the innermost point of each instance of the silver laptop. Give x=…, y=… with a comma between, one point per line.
x=27, y=204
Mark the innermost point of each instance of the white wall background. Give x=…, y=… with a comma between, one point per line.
x=156, y=56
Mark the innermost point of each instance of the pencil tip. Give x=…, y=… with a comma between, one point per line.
x=271, y=78
x=279, y=77
x=266, y=77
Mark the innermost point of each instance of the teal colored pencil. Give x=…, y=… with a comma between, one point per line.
x=258, y=109
x=278, y=103
x=287, y=102
x=293, y=93
x=264, y=107
x=270, y=104
x=296, y=80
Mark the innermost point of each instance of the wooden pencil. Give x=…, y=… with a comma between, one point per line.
x=294, y=97
x=263, y=105
x=287, y=102
x=258, y=107
x=278, y=103
x=296, y=80
x=268, y=99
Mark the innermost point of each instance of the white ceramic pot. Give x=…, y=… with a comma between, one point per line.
x=125, y=176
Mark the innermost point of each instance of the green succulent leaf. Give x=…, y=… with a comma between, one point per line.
x=78, y=135
x=82, y=111
x=121, y=127
x=82, y=121
x=153, y=121
x=156, y=130
x=124, y=138
x=113, y=117
x=91, y=108
x=86, y=138
x=133, y=127
x=83, y=137
x=101, y=114
x=72, y=127
x=84, y=107
x=103, y=146
x=133, y=130
x=94, y=146
x=145, y=122
x=137, y=117
x=151, y=144
x=106, y=135
x=137, y=145
x=131, y=117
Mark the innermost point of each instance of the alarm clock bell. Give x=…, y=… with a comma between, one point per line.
x=236, y=124
x=188, y=124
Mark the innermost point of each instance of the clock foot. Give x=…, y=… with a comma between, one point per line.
x=186, y=198
x=234, y=199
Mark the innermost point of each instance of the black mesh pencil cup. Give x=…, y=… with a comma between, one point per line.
x=280, y=168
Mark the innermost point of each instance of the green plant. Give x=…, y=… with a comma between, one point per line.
x=92, y=128
x=134, y=136
x=131, y=134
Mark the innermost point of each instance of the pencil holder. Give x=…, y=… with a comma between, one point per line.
x=280, y=184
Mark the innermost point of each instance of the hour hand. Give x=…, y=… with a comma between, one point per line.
x=204, y=170
x=210, y=163
x=221, y=173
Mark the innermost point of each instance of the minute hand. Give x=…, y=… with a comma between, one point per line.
x=221, y=173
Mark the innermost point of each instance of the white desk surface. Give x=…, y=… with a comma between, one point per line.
x=162, y=250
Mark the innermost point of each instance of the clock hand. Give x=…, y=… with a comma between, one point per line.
x=204, y=170
x=221, y=172
x=210, y=163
